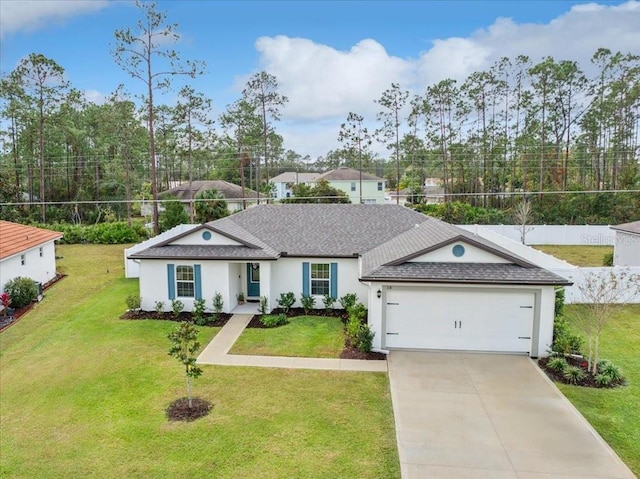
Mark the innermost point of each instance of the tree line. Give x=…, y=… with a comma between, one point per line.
x=520, y=128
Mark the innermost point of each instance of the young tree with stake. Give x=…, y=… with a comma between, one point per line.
x=184, y=346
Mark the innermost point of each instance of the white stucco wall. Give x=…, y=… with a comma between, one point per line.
x=195, y=238
x=545, y=300
x=287, y=276
x=472, y=254
x=154, y=283
x=39, y=269
x=626, y=250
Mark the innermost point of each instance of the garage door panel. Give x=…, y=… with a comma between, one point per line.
x=462, y=319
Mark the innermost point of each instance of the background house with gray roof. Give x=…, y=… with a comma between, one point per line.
x=427, y=284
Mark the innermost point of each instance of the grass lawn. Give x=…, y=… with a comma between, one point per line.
x=615, y=413
x=576, y=254
x=304, y=336
x=83, y=394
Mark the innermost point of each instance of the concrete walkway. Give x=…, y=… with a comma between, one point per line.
x=217, y=352
x=490, y=416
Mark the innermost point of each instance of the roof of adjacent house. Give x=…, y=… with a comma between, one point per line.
x=633, y=227
x=294, y=177
x=16, y=238
x=344, y=173
x=226, y=189
x=386, y=237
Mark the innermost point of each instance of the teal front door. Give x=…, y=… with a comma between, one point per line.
x=253, y=280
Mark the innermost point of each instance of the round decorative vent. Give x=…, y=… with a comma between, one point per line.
x=458, y=250
x=206, y=235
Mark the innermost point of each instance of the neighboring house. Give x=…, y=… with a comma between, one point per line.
x=284, y=182
x=231, y=193
x=427, y=284
x=433, y=191
x=27, y=251
x=348, y=180
x=626, y=249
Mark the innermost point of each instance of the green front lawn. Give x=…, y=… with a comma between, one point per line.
x=83, y=394
x=304, y=336
x=615, y=413
x=577, y=255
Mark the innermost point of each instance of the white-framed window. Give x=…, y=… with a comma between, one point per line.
x=41, y=251
x=320, y=278
x=185, y=282
x=23, y=259
x=353, y=186
x=379, y=185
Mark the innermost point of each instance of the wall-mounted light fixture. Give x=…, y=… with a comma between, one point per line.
x=379, y=293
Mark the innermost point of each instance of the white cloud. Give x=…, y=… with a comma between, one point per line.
x=323, y=84
x=30, y=15
x=94, y=96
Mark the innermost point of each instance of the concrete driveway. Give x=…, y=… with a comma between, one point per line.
x=490, y=416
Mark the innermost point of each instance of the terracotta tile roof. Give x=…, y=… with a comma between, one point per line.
x=15, y=238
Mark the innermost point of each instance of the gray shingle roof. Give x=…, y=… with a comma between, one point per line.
x=202, y=251
x=226, y=189
x=424, y=237
x=473, y=273
x=633, y=227
x=347, y=174
x=385, y=236
x=327, y=230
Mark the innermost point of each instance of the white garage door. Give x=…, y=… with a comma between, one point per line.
x=459, y=319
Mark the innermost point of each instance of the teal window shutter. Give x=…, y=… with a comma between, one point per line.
x=333, y=280
x=171, y=281
x=306, y=280
x=198, y=281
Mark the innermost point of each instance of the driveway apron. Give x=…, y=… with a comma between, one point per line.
x=493, y=416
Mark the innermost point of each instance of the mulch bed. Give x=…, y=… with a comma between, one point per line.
x=179, y=409
x=6, y=321
x=137, y=314
x=588, y=381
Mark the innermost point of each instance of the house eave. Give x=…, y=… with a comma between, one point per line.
x=463, y=281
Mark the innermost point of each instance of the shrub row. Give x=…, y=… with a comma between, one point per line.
x=102, y=233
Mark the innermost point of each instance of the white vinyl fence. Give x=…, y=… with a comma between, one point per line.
x=585, y=235
x=577, y=276
x=560, y=267
x=131, y=266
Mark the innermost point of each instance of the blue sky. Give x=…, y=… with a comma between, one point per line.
x=331, y=57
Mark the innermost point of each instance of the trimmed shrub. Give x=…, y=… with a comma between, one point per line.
x=198, y=312
x=328, y=301
x=559, y=302
x=308, y=303
x=607, y=259
x=365, y=338
x=273, y=320
x=286, y=301
x=177, y=307
x=133, y=301
x=22, y=291
x=565, y=341
x=159, y=306
x=218, y=304
x=348, y=300
x=359, y=334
